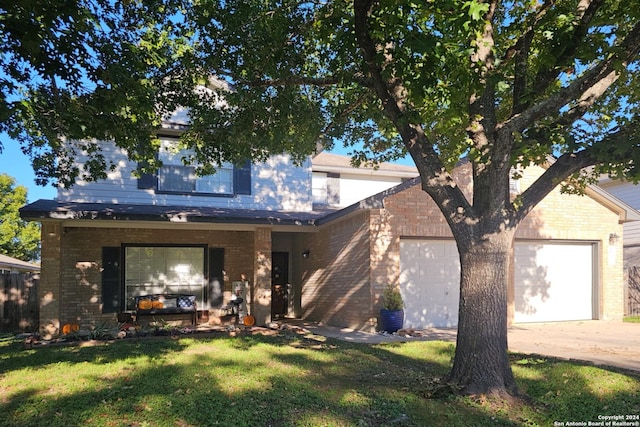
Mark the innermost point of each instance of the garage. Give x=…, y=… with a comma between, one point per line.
x=429, y=283
x=553, y=282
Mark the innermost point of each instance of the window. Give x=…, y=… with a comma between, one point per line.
x=325, y=188
x=175, y=176
x=319, y=188
x=164, y=269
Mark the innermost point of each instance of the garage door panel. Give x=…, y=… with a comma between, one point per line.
x=429, y=283
x=553, y=282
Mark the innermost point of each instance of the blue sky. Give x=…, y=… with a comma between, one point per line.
x=14, y=163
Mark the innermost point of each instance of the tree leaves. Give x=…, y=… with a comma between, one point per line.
x=18, y=238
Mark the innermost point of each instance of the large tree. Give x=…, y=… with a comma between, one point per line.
x=18, y=238
x=503, y=84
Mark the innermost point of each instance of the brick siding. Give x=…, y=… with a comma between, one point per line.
x=71, y=267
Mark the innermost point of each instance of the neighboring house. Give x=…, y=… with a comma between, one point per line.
x=104, y=243
x=630, y=194
x=10, y=265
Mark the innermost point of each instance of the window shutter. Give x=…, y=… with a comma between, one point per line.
x=147, y=181
x=111, y=289
x=216, y=276
x=242, y=178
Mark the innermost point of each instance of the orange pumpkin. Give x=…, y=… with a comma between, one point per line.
x=69, y=328
x=157, y=304
x=145, y=304
x=249, y=320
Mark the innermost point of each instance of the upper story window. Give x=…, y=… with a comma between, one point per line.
x=325, y=188
x=175, y=176
x=319, y=188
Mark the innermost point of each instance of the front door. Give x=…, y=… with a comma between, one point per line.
x=279, y=284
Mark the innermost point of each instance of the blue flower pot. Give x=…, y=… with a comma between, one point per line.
x=391, y=320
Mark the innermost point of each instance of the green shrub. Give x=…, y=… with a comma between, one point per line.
x=391, y=299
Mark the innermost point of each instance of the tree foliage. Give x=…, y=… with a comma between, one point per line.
x=18, y=239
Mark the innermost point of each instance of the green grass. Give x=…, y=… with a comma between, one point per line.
x=285, y=380
x=632, y=319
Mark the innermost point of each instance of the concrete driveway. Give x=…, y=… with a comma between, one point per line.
x=601, y=342
x=597, y=341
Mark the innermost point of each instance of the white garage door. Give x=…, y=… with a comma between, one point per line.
x=430, y=283
x=553, y=281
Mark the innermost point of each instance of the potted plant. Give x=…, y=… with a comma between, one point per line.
x=392, y=311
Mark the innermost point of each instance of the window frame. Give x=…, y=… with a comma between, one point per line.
x=202, y=302
x=241, y=179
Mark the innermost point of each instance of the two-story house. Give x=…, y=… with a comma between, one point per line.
x=304, y=249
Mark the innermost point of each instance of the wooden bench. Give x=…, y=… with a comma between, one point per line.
x=166, y=306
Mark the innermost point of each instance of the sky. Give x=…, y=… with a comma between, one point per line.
x=17, y=165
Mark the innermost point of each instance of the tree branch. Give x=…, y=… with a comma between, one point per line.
x=436, y=181
x=306, y=81
x=565, y=166
x=586, y=89
x=586, y=11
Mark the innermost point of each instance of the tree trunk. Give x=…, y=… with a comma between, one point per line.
x=481, y=364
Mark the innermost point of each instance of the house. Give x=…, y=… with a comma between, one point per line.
x=10, y=265
x=336, y=183
x=269, y=228
x=630, y=194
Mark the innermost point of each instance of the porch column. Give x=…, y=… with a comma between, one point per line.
x=50, y=288
x=261, y=295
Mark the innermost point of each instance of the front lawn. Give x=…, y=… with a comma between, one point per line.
x=285, y=380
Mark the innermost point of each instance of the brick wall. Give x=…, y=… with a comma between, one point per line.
x=336, y=286
x=412, y=213
x=71, y=271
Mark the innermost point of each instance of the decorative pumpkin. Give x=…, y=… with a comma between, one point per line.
x=249, y=320
x=69, y=328
x=145, y=304
x=157, y=305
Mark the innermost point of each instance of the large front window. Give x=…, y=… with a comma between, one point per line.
x=164, y=270
x=175, y=176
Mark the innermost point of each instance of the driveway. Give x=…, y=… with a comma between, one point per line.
x=597, y=341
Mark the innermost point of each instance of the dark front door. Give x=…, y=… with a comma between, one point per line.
x=279, y=284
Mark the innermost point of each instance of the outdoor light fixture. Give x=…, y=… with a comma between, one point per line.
x=305, y=253
x=613, y=238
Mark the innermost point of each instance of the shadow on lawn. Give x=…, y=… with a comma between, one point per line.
x=283, y=380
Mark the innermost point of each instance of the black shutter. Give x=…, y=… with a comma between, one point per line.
x=242, y=178
x=111, y=289
x=147, y=180
x=216, y=276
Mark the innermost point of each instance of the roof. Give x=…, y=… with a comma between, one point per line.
x=58, y=210
x=54, y=209
x=330, y=162
x=18, y=264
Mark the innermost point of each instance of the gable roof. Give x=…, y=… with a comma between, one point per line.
x=13, y=263
x=337, y=163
